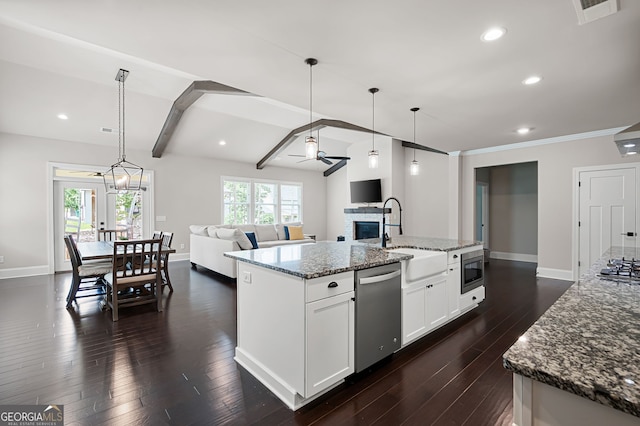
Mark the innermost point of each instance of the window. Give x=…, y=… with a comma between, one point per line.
x=260, y=202
x=237, y=201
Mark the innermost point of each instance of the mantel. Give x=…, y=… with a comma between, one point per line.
x=367, y=210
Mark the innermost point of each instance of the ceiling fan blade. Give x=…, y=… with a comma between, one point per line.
x=296, y=155
x=325, y=161
x=302, y=161
x=334, y=157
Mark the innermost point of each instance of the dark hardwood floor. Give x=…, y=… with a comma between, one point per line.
x=177, y=367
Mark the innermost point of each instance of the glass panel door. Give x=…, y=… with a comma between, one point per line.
x=78, y=211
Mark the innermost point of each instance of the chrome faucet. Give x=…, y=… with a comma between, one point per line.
x=384, y=234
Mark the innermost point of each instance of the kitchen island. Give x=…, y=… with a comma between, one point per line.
x=296, y=307
x=579, y=364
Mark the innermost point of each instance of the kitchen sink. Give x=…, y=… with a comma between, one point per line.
x=424, y=263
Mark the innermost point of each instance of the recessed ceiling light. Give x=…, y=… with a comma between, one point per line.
x=523, y=130
x=629, y=145
x=222, y=143
x=63, y=116
x=532, y=80
x=631, y=153
x=493, y=34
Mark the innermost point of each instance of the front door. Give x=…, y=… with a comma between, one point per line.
x=607, y=214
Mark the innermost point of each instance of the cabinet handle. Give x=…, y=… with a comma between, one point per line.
x=353, y=299
x=333, y=284
x=455, y=256
x=473, y=298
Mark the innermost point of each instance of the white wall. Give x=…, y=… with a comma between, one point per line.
x=555, y=192
x=187, y=191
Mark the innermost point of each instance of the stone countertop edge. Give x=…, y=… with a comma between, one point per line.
x=423, y=243
x=587, y=342
x=320, y=259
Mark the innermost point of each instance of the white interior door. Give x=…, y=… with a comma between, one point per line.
x=78, y=209
x=607, y=216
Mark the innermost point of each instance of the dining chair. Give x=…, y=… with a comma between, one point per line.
x=157, y=234
x=86, y=277
x=133, y=280
x=112, y=234
x=167, y=238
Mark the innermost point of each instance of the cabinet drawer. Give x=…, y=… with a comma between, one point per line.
x=453, y=257
x=330, y=285
x=472, y=297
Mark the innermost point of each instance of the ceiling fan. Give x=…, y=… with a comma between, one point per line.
x=321, y=155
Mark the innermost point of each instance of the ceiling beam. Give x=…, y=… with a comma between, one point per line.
x=406, y=144
x=340, y=164
x=311, y=127
x=184, y=101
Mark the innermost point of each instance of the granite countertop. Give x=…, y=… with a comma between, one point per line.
x=588, y=342
x=424, y=243
x=318, y=259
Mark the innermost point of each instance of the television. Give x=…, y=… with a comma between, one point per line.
x=366, y=191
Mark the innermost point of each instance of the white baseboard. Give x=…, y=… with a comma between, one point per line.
x=531, y=258
x=28, y=271
x=557, y=274
x=178, y=256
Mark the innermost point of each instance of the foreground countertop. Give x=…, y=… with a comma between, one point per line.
x=424, y=243
x=318, y=259
x=588, y=342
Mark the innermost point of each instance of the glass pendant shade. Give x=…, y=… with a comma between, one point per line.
x=373, y=159
x=311, y=147
x=414, y=168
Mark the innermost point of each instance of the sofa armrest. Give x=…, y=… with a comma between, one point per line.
x=209, y=252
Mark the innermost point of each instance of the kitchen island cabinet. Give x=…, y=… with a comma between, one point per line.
x=296, y=315
x=579, y=364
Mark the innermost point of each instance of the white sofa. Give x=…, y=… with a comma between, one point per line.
x=206, y=248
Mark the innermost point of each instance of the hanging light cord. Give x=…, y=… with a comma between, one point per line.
x=373, y=121
x=121, y=114
x=414, y=134
x=310, y=98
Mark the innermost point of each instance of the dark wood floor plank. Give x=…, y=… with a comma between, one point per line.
x=177, y=367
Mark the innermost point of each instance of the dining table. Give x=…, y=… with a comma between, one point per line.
x=103, y=250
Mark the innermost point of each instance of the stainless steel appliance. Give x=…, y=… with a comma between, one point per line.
x=378, y=314
x=472, y=270
x=622, y=270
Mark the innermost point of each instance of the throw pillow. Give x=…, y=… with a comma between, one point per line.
x=235, y=235
x=295, y=233
x=286, y=233
x=198, y=229
x=266, y=233
x=252, y=238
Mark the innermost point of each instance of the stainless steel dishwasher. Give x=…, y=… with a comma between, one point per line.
x=378, y=314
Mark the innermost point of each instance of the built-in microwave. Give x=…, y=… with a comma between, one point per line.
x=472, y=270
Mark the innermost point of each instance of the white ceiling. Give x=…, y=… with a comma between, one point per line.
x=63, y=56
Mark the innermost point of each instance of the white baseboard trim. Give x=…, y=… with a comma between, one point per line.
x=28, y=271
x=31, y=271
x=178, y=256
x=532, y=258
x=557, y=274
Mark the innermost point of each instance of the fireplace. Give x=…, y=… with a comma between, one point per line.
x=365, y=229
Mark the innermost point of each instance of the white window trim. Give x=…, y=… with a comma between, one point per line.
x=252, y=182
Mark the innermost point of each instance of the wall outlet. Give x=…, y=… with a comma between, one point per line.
x=181, y=246
x=1, y=259
x=246, y=277
x=161, y=218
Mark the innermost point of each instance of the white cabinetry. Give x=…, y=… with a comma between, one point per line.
x=424, y=307
x=295, y=335
x=453, y=284
x=330, y=335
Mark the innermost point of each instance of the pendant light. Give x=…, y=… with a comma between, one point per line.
x=414, y=168
x=123, y=175
x=373, y=154
x=310, y=143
